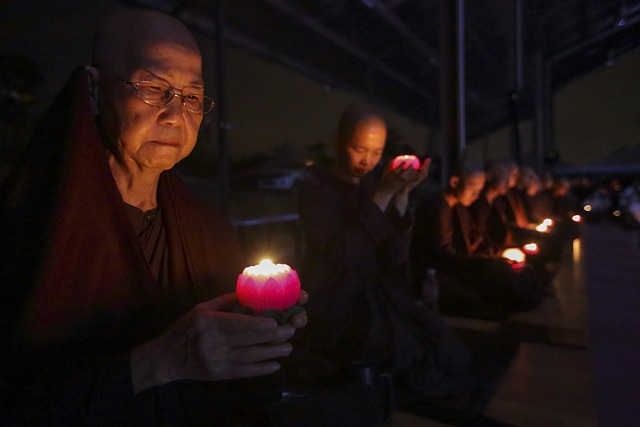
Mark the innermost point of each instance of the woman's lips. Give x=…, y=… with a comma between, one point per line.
x=171, y=143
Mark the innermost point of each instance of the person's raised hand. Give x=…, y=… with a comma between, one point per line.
x=415, y=177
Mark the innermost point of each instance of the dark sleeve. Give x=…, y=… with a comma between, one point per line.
x=397, y=247
x=346, y=232
x=479, y=210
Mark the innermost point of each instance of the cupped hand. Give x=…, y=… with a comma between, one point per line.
x=300, y=320
x=402, y=179
x=212, y=342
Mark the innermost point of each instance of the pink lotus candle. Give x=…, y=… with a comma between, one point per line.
x=531, y=248
x=406, y=161
x=515, y=257
x=545, y=226
x=268, y=286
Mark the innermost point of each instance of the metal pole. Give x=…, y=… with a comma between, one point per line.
x=452, y=101
x=516, y=76
x=540, y=113
x=462, y=115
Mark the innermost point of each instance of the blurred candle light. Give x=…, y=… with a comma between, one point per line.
x=531, y=248
x=515, y=257
x=268, y=286
x=406, y=161
x=576, y=218
x=543, y=228
x=576, y=246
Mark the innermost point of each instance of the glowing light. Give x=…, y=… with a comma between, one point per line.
x=587, y=208
x=531, y=248
x=515, y=257
x=406, y=161
x=576, y=218
x=617, y=213
x=543, y=228
x=576, y=246
x=513, y=254
x=548, y=222
x=268, y=286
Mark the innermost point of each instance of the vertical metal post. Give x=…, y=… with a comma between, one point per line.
x=515, y=74
x=548, y=106
x=539, y=112
x=460, y=48
x=452, y=87
x=543, y=98
x=223, y=126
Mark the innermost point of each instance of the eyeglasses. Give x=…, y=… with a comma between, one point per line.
x=160, y=94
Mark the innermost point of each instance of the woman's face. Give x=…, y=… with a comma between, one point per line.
x=361, y=154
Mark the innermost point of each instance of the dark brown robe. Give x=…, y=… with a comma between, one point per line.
x=355, y=269
x=470, y=284
x=77, y=293
x=442, y=240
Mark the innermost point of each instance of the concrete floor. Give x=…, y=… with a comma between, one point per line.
x=550, y=382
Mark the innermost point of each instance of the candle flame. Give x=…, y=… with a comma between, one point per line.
x=513, y=254
x=543, y=228
x=266, y=267
x=530, y=248
x=548, y=222
x=576, y=218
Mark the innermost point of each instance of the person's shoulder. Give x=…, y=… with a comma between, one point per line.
x=315, y=175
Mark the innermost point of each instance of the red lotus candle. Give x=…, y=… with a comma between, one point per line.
x=531, y=248
x=406, y=161
x=268, y=286
x=515, y=257
x=545, y=226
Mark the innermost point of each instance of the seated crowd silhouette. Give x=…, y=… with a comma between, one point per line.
x=370, y=252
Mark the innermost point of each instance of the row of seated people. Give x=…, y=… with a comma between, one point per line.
x=358, y=226
x=117, y=282
x=463, y=230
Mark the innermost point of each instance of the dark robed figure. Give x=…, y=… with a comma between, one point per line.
x=116, y=282
x=357, y=229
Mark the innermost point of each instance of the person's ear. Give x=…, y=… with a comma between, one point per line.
x=93, y=78
x=454, y=181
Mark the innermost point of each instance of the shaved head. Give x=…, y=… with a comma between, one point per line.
x=133, y=46
x=123, y=36
x=353, y=116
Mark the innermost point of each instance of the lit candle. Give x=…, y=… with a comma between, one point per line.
x=576, y=218
x=406, y=161
x=531, y=248
x=268, y=286
x=515, y=257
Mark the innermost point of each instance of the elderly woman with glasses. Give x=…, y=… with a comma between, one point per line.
x=116, y=281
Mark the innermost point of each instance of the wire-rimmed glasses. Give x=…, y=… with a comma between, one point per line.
x=160, y=94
